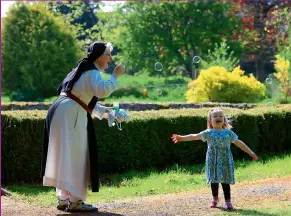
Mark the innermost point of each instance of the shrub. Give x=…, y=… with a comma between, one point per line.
x=127, y=91
x=38, y=51
x=282, y=67
x=144, y=140
x=216, y=84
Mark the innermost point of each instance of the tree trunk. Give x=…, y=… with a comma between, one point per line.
x=260, y=64
x=189, y=70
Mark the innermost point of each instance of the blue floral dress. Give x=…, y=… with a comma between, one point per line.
x=219, y=160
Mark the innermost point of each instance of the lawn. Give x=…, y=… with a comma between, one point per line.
x=150, y=182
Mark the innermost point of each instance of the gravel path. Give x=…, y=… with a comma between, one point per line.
x=247, y=198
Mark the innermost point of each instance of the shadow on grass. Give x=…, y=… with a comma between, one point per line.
x=29, y=190
x=195, y=169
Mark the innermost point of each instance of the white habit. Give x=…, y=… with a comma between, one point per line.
x=67, y=165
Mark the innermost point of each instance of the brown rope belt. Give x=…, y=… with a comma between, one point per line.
x=75, y=98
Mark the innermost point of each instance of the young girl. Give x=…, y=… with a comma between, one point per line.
x=219, y=160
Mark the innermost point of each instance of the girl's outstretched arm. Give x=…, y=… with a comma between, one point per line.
x=178, y=138
x=240, y=144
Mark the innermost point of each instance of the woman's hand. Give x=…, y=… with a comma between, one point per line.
x=108, y=109
x=118, y=70
x=176, y=138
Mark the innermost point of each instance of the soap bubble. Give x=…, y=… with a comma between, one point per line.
x=196, y=59
x=269, y=81
x=160, y=92
x=158, y=66
x=269, y=104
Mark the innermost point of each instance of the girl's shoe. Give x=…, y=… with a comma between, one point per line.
x=214, y=203
x=62, y=204
x=80, y=206
x=228, y=206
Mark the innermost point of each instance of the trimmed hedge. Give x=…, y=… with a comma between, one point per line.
x=144, y=140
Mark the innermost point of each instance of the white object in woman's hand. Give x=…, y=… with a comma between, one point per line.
x=118, y=70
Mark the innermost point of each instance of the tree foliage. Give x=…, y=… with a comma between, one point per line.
x=168, y=32
x=220, y=56
x=81, y=14
x=38, y=51
x=265, y=22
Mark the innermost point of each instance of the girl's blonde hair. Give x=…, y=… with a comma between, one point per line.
x=226, y=122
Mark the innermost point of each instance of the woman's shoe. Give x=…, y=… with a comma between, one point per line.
x=62, y=204
x=80, y=206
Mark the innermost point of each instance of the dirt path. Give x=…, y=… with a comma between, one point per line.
x=247, y=198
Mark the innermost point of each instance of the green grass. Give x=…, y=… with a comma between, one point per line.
x=5, y=98
x=174, y=179
x=160, y=89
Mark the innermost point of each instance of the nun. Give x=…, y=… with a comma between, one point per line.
x=70, y=152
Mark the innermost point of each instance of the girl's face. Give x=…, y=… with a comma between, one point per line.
x=217, y=119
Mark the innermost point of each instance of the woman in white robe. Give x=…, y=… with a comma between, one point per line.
x=67, y=165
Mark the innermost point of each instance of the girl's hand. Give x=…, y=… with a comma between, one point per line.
x=176, y=138
x=254, y=156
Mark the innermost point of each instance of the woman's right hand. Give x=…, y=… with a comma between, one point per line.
x=176, y=138
x=118, y=70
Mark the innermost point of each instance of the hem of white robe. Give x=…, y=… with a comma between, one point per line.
x=62, y=186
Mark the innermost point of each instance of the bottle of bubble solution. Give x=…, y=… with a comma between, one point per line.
x=115, y=106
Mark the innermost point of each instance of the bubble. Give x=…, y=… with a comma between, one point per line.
x=160, y=92
x=269, y=81
x=269, y=104
x=158, y=66
x=196, y=59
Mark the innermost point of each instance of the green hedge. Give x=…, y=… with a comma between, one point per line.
x=144, y=140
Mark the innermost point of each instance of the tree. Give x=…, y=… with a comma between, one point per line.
x=264, y=21
x=38, y=51
x=81, y=14
x=168, y=32
x=220, y=56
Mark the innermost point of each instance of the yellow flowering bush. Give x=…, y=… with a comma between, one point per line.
x=216, y=84
x=282, y=67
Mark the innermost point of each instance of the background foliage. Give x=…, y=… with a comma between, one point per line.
x=38, y=51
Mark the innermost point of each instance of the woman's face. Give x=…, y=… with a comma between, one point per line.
x=103, y=60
